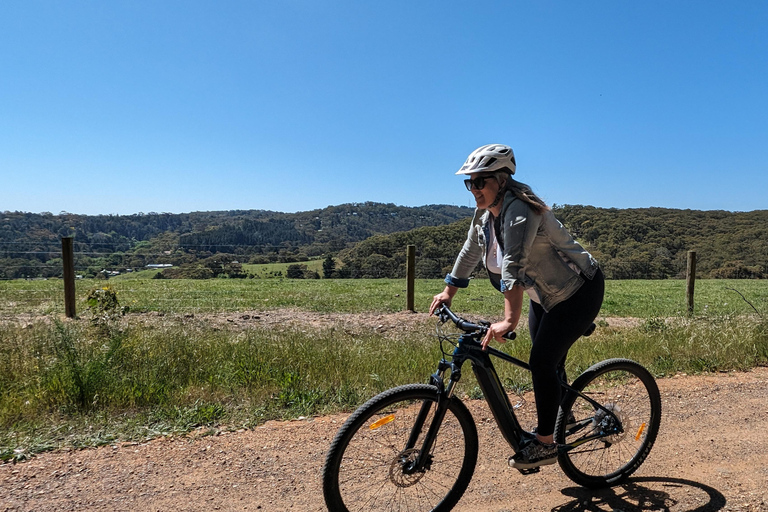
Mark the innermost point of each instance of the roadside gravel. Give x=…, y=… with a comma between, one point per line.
x=711, y=455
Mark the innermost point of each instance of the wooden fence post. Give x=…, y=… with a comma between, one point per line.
x=410, y=274
x=690, y=280
x=68, y=258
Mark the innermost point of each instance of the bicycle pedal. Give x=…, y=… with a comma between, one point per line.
x=529, y=471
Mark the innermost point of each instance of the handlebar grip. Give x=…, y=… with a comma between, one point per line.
x=445, y=314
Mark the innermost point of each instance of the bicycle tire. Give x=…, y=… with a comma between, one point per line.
x=630, y=392
x=363, y=468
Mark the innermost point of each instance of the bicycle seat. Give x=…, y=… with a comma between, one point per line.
x=590, y=329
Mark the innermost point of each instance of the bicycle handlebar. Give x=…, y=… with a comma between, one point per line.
x=445, y=314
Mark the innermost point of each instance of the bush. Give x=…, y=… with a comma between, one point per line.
x=103, y=304
x=738, y=270
x=296, y=271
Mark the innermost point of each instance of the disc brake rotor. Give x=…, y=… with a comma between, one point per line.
x=397, y=473
x=607, y=423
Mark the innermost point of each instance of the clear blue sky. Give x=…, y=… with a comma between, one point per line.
x=291, y=105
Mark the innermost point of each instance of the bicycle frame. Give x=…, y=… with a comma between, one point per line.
x=468, y=348
x=490, y=384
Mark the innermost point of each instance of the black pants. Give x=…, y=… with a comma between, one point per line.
x=553, y=333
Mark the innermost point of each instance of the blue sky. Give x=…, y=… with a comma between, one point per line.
x=291, y=105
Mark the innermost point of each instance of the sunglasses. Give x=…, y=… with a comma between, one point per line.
x=477, y=183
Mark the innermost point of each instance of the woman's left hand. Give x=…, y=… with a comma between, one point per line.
x=496, y=331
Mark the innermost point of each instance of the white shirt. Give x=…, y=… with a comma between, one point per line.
x=495, y=258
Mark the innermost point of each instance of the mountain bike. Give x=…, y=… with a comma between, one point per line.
x=414, y=447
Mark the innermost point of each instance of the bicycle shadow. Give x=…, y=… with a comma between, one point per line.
x=631, y=496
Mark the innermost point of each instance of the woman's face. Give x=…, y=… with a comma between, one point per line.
x=486, y=195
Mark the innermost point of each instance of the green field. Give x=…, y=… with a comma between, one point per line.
x=632, y=298
x=265, y=271
x=166, y=367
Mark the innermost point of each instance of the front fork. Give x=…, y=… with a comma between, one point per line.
x=437, y=378
x=444, y=394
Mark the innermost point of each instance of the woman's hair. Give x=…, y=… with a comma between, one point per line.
x=522, y=191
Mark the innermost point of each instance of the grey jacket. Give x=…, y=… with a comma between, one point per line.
x=537, y=252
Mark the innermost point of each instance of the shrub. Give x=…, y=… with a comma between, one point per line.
x=103, y=304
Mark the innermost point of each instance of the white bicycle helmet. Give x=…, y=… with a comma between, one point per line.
x=489, y=158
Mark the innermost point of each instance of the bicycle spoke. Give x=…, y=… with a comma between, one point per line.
x=624, y=426
x=376, y=469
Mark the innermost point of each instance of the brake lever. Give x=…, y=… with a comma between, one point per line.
x=511, y=335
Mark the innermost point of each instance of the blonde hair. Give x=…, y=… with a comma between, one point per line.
x=521, y=191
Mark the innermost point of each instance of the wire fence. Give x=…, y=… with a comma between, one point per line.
x=35, y=286
x=28, y=299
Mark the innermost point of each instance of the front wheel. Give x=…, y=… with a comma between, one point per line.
x=369, y=466
x=604, y=445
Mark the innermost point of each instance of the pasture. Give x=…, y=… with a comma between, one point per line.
x=229, y=354
x=630, y=298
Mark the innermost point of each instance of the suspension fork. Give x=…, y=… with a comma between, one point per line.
x=445, y=392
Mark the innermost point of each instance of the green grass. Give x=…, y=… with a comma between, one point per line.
x=74, y=384
x=268, y=270
x=95, y=381
x=217, y=295
x=130, y=381
x=136, y=275
x=633, y=298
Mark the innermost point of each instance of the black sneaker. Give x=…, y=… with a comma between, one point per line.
x=534, y=454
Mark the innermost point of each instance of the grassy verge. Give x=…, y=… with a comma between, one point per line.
x=82, y=384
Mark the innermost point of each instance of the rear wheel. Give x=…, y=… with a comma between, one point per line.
x=369, y=465
x=607, y=447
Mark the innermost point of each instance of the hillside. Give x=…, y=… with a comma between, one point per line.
x=30, y=243
x=652, y=243
x=369, y=239
x=645, y=243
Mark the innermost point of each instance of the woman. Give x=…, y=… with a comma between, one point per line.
x=524, y=248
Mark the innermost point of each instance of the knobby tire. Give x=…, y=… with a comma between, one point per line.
x=627, y=389
x=364, y=468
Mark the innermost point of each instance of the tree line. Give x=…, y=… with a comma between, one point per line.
x=368, y=240
x=30, y=242
x=639, y=243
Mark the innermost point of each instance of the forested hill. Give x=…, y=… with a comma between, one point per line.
x=369, y=239
x=645, y=243
x=653, y=242
x=30, y=243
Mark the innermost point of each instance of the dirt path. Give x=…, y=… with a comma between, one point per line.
x=711, y=455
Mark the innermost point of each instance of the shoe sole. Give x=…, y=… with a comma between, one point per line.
x=531, y=465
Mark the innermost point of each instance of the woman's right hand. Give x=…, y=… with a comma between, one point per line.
x=441, y=298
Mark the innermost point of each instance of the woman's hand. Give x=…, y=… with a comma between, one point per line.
x=444, y=297
x=496, y=331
